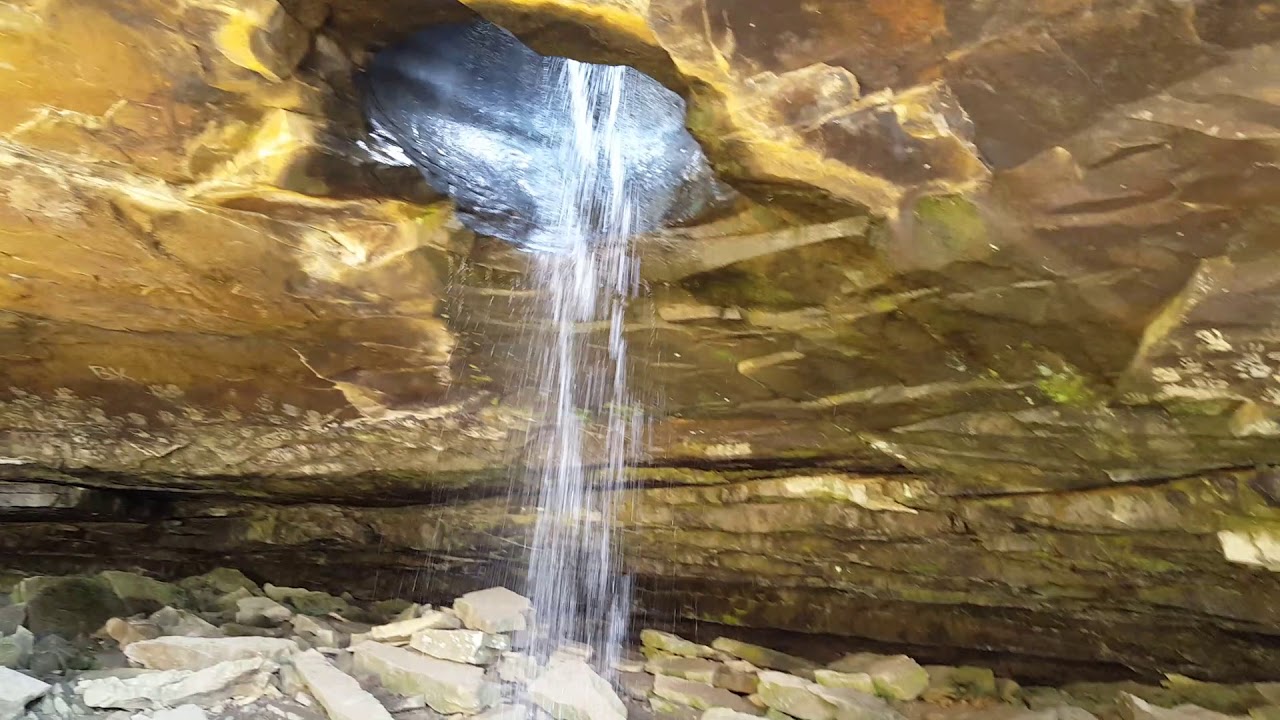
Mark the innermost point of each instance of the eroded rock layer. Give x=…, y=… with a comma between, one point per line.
x=985, y=359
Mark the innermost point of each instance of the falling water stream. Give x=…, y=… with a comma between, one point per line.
x=573, y=579
x=569, y=161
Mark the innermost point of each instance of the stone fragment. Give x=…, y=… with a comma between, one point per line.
x=668, y=710
x=16, y=690
x=855, y=681
x=630, y=662
x=54, y=653
x=794, y=696
x=68, y=606
x=233, y=629
x=166, y=688
x=896, y=677
x=188, y=653
x=182, y=712
x=743, y=683
x=16, y=648
x=319, y=631
x=12, y=617
x=1132, y=707
x=516, y=667
x=127, y=632
x=850, y=704
x=674, y=644
x=141, y=594
x=261, y=612
x=571, y=651
x=464, y=646
x=571, y=690
x=180, y=622
x=952, y=683
x=448, y=687
x=495, y=610
x=698, y=695
x=636, y=685
x=763, y=657
x=309, y=602
x=403, y=630
x=700, y=669
x=339, y=693
x=229, y=602
x=220, y=581
x=726, y=714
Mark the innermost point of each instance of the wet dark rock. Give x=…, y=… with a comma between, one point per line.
x=69, y=606
x=488, y=122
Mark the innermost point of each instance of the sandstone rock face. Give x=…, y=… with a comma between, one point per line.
x=991, y=328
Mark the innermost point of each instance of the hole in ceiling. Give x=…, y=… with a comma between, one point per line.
x=486, y=120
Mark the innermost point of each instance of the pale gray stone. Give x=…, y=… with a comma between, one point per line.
x=173, y=621
x=763, y=657
x=448, y=687
x=16, y=648
x=12, y=617
x=495, y=610
x=464, y=646
x=859, y=681
x=319, y=631
x=698, y=695
x=182, y=712
x=401, y=631
x=338, y=693
x=167, y=688
x=187, y=653
x=16, y=690
x=261, y=612
x=700, y=669
x=794, y=696
x=674, y=644
x=850, y=704
x=514, y=667
x=571, y=690
x=896, y=677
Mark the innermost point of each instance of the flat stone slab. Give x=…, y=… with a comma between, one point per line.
x=794, y=696
x=495, y=610
x=339, y=693
x=763, y=657
x=167, y=688
x=399, y=632
x=16, y=690
x=674, y=644
x=197, y=653
x=465, y=646
x=448, y=687
x=571, y=690
x=896, y=677
x=699, y=695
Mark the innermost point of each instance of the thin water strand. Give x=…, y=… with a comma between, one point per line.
x=578, y=593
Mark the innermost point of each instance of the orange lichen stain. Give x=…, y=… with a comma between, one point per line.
x=910, y=21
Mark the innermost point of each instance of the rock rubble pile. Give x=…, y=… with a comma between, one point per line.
x=122, y=646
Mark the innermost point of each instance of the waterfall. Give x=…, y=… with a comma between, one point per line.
x=573, y=577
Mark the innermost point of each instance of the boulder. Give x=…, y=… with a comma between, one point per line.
x=448, y=687
x=339, y=693
x=495, y=610
x=141, y=594
x=166, y=688
x=68, y=606
x=673, y=644
x=12, y=617
x=571, y=690
x=850, y=704
x=464, y=646
x=261, y=612
x=319, y=631
x=16, y=648
x=794, y=695
x=16, y=690
x=698, y=695
x=855, y=681
x=950, y=683
x=310, y=602
x=181, y=622
x=220, y=581
x=194, y=653
x=895, y=677
x=765, y=658
x=516, y=667
x=739, y=681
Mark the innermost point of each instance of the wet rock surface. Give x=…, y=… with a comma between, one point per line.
x=981, y=363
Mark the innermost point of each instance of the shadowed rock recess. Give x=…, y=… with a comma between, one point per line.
x=983, y=364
